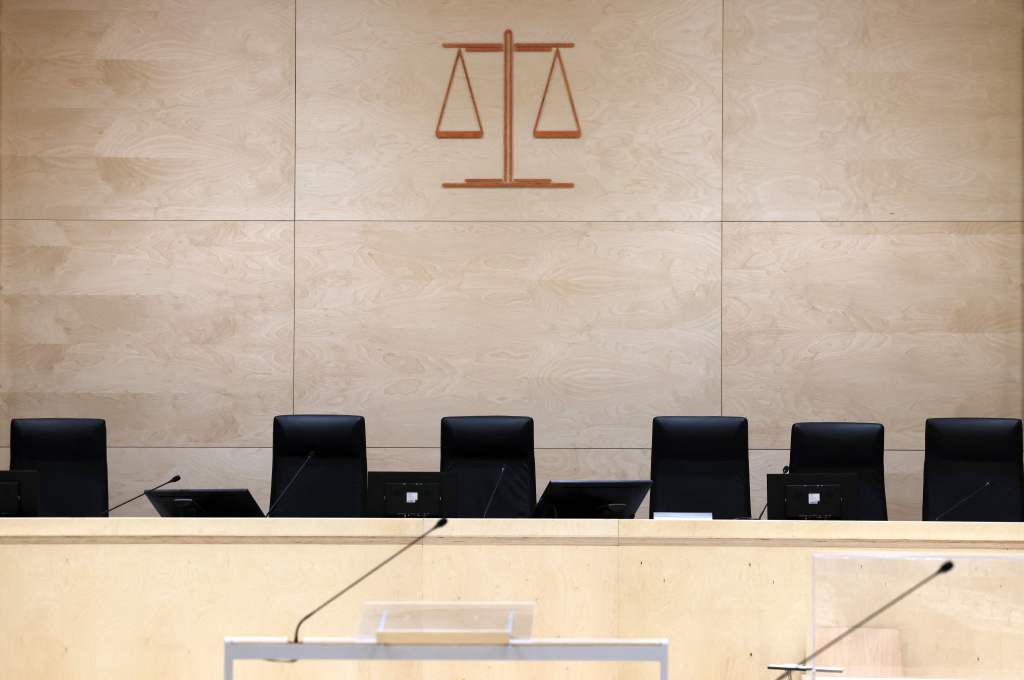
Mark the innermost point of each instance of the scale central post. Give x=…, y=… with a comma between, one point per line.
x=508, y=47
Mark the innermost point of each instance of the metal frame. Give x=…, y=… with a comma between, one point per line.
x=352, y=649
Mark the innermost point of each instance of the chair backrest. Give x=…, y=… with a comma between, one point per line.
x=70, y=455
x=961, y=456
x=479, y=450
x=857, y=448
x=700, y=464
x=333, y=483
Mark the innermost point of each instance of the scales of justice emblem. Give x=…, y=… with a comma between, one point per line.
x=508, y=48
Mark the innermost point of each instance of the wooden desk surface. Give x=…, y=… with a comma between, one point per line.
x=151, y=597
x=869, y=535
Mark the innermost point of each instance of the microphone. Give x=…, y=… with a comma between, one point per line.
x=440, y=523
x=946, y=567
x=284, y=491
x=962, y=501
x=785, y=471
x=494, y=490
x=175, y=478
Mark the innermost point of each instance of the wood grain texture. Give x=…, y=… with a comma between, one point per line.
x=646, y=78
x=155, y=598
x=881, y=109
x=881, y=322
x=575, y=590
x=178, y=333
x=588, y=327
x=976, y=602
x=161, y=109
x=131, y=470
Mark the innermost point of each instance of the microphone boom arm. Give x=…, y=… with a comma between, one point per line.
x=440, y=523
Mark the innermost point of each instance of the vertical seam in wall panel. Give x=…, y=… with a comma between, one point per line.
x=295, y=185
x=721, y=235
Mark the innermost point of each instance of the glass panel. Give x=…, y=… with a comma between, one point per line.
x=966, y=624
x=446, y=622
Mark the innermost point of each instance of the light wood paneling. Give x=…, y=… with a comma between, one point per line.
x=588, y=327
x=889, y=323
x=177, y=333
x=254, y=590
x=133, y=470
x=161, y=109
x=574, y=588
x=154, y=598
x=890, y=109
x=646, y=78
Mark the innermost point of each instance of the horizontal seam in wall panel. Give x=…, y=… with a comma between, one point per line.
x=708, y=221
x=535, y=448
x=536, y=221
x=435, y=448
x=856, y=221
x=287, y=220
x=501, y=221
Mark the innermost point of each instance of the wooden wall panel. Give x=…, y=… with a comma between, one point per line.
x=589, y=327
x=178, y=333
x=882, y=110
x=162, y=109
x=646, y=78
x=879, y=322
x=131, y=470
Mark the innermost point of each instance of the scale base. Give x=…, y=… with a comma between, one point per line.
x=498, y=183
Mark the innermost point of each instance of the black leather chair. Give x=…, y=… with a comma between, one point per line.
x=333, y=483
x=700, y=464
x=973, y=470
x=70, y=455
x=857, y=448
x=479, y=450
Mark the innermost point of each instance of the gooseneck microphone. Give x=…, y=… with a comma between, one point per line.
x=946, y=567
x=962, y=501
x=175, y=478
x=440, y=523
x=284, y=491
x=494, y=490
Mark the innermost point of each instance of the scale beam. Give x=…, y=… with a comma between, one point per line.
x=542, y=47
x=498, y=47
x=475, y=47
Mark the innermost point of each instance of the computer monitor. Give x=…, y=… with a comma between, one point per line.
x=204, y=503
x=592, y=499
x=19, y=493
x=813, y=496
x=410, y=494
